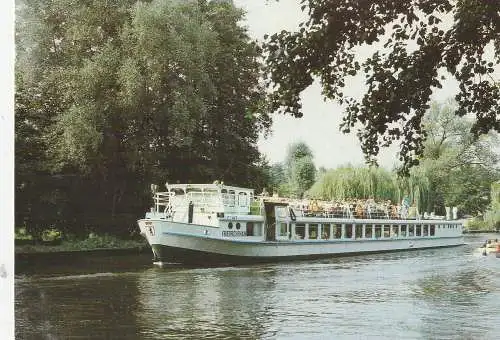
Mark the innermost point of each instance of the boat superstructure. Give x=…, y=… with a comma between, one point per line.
x=216, y=223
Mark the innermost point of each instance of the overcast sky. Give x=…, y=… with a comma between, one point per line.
x=319, y=127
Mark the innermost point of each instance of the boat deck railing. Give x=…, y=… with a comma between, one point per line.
x=169, y=202
x=162, y=202
x=344, y=211
x=357, y=210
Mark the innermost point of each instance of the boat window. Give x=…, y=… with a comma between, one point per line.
x=368, y=231
x=426, y=230
x=411, y=230
x=243, y=199
x=378, y=231
x=230, y=225
x=387, y=231
x=337, y=231
x=231, y=198
x=395, y=231
x=313, y=231
x=300, y=231
x=433, y=230
x=225, y=198
x=325, y=231
x=283, y=229
x=257, y=229
x=348, y=230
x=250, y=229
x=403, y=230
x=238, y=226
x=359, y=231
x=418, y=230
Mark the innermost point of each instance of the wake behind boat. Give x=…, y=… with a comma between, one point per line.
x=215, y=223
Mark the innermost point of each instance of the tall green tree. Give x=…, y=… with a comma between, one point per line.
x=300, y=168
x=127, y=93
x=459, y=166
x=278, y=178
x=417, y=45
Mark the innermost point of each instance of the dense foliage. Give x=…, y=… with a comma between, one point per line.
x=113, y=96
x=296, y=174
x=417, y=45
x=492, y=215
x=348, y=182
x=459, y=166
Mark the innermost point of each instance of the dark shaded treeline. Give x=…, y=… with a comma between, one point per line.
x=111, y=97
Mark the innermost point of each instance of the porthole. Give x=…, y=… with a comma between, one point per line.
x=230, y=225
x=238, y=225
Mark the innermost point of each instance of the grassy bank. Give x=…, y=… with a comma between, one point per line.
x=92, y=242
x=480, y=226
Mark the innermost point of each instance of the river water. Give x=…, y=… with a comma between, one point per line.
x=451, y=293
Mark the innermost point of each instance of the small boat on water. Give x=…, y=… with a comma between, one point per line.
x=490, y=246
x=207, y=224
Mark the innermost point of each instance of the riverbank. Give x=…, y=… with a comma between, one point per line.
x=93, y=243
x=106, y=253
x=480, y=231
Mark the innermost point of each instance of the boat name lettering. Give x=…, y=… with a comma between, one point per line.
x=228, y=233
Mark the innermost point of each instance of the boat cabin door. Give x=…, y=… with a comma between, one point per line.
x=276, y=213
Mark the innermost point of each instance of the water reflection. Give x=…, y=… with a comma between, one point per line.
x=459, y=301
x=90, y=306
x=464, y=287
x=222, y=303
x=433, y=294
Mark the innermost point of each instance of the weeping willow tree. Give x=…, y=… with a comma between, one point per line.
x=416, y=187
x=371, y=182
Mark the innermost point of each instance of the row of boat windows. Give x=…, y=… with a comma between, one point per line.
x=339, y=231
x=231, y=199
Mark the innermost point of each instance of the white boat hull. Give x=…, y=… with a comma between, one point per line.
x=200, y=246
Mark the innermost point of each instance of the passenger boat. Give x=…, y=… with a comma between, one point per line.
x=206, y=224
